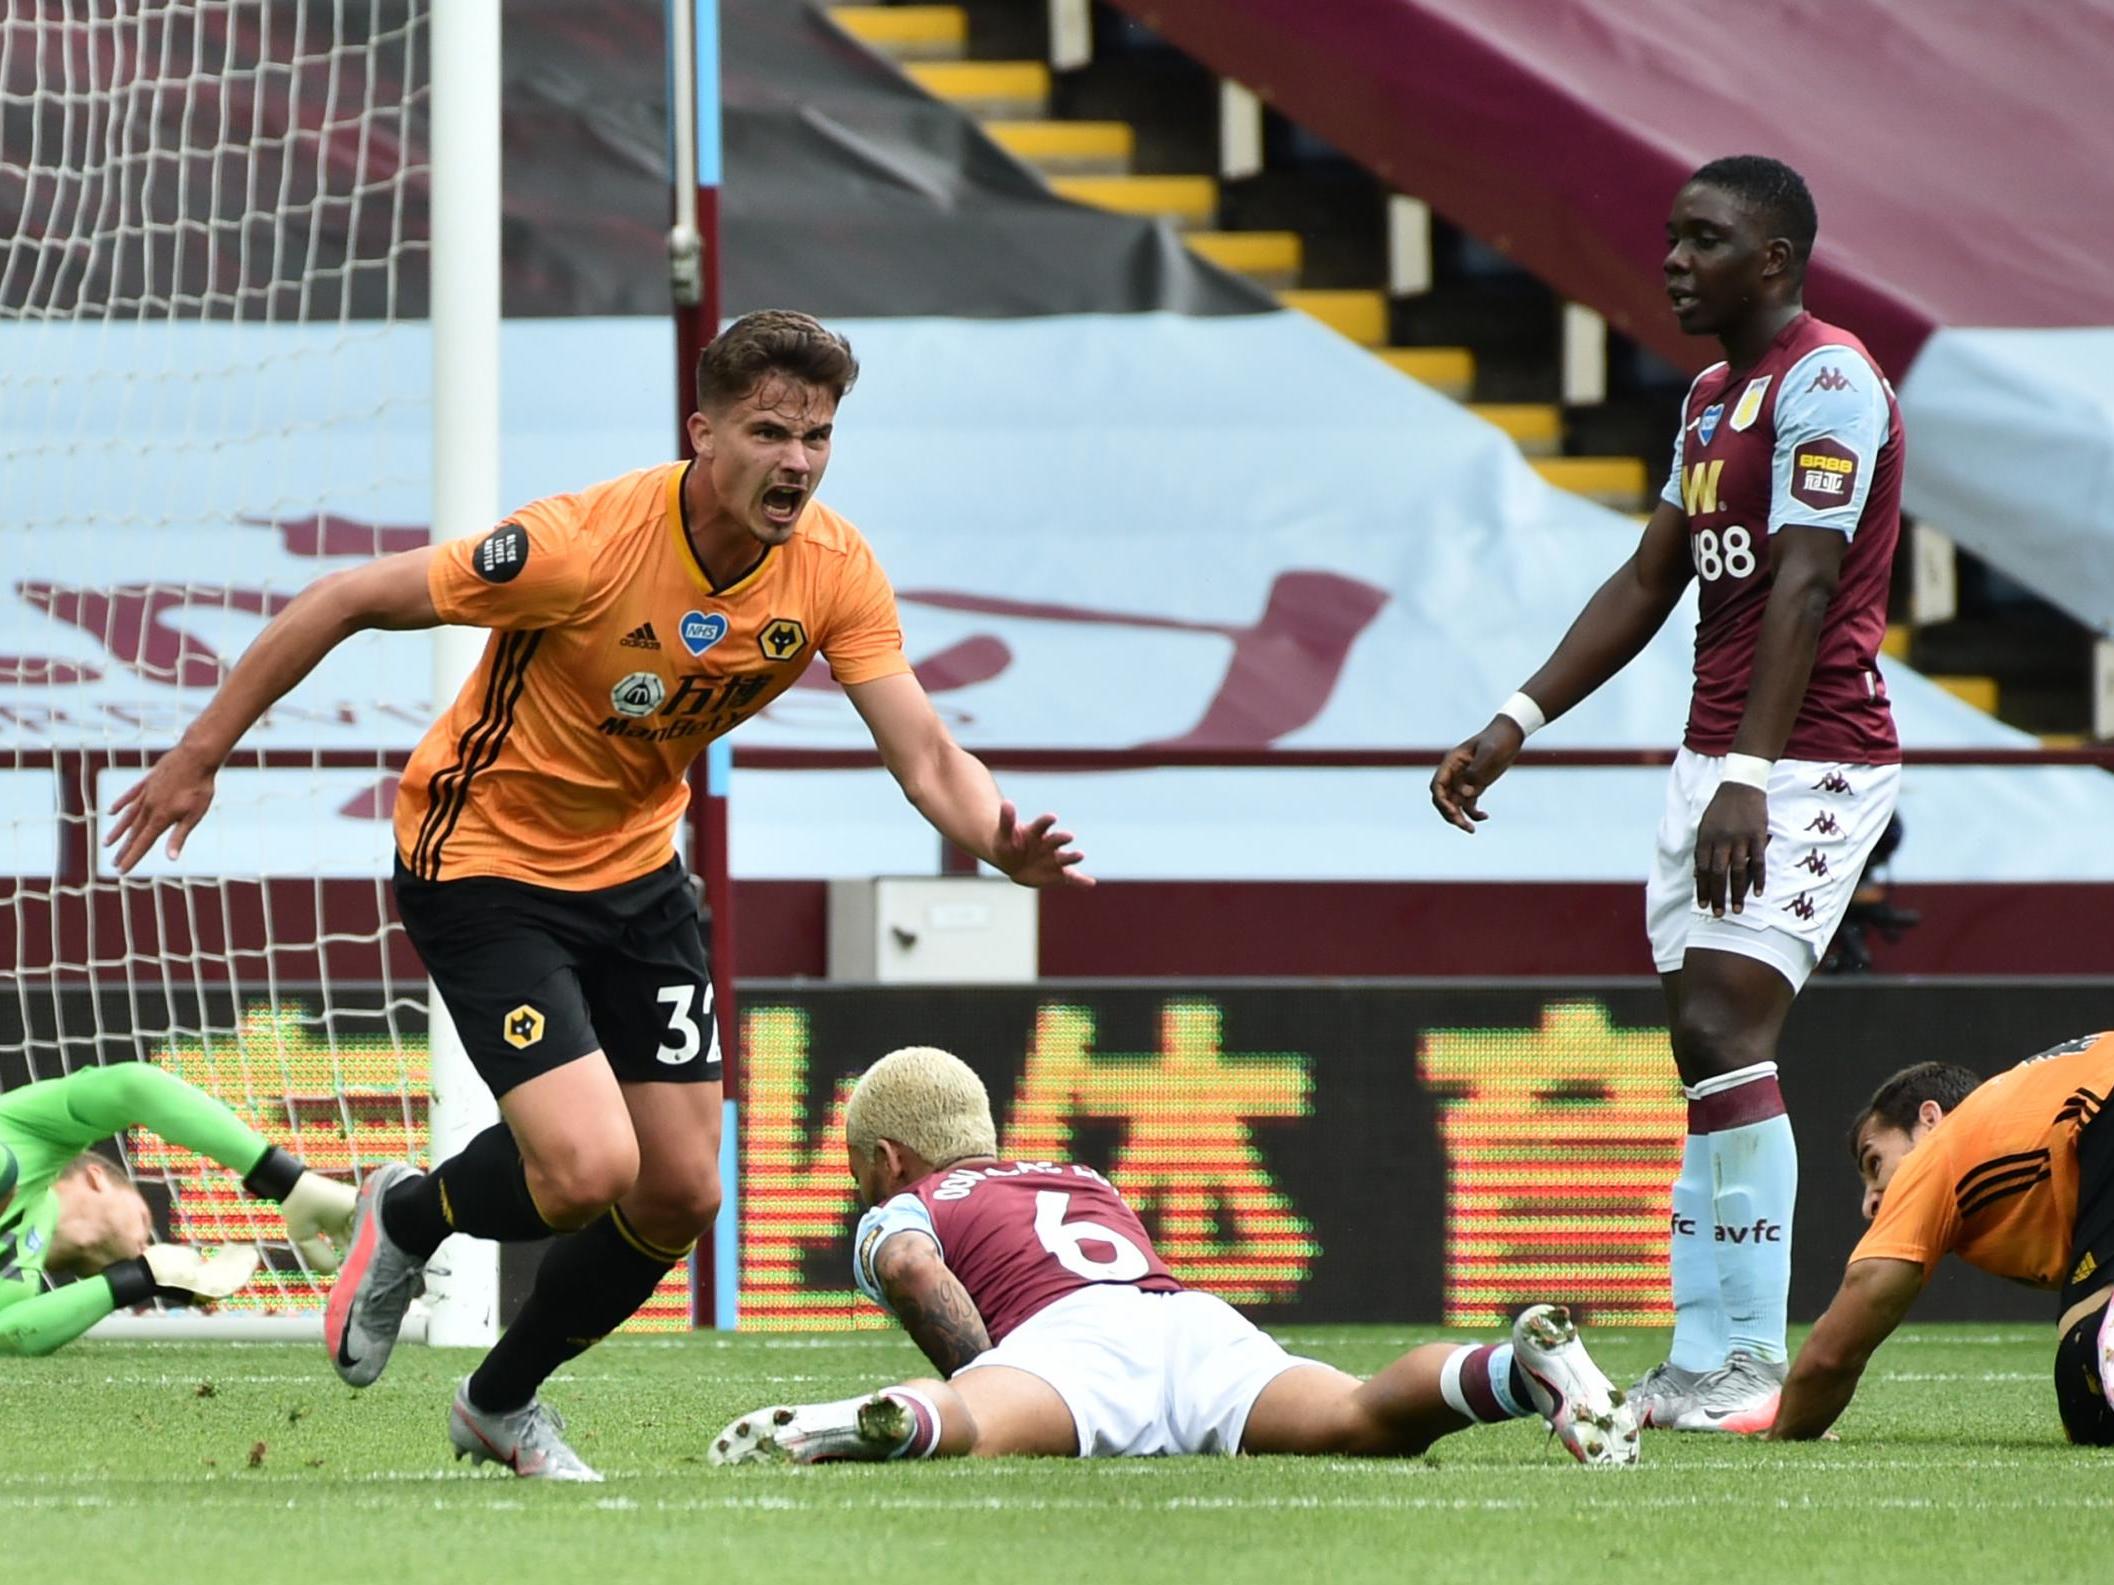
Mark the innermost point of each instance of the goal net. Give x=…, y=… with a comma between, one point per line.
x=214, y=387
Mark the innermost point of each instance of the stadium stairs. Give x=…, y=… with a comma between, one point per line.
x=1112, y=115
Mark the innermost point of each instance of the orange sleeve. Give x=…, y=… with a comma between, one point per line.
x=865, y=637
x=1919, y=1216
x=529, y=572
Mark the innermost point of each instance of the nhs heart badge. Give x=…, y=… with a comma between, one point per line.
x=1707, y=425
x=700, y=632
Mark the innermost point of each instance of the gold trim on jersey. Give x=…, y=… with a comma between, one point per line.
x=686, y=553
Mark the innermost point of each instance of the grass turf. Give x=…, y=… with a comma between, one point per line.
x=223, y=1462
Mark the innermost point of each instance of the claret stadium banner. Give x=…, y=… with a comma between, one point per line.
x=1384, y=1151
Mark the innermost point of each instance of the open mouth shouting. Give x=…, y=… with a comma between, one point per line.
x=782, y=504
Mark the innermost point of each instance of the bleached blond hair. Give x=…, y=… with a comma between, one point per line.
x=926, y=1100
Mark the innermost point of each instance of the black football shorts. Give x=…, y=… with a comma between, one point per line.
x=535, y=977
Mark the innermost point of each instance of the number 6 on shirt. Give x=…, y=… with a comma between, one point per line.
x=1063, y=1239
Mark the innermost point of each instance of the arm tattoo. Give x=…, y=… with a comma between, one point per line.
x=935, y=1310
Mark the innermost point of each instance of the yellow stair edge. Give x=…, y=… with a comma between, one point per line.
x=1357, y=314
x=1192, y=200
x=983, y=82
x=1535, y=427
x=2066, y=740
x=1895, y=646
x=1981, y=692
x=1269, y=253
x=1618, y=480
x=1447, y=369
x=1067, y=143
x=923, y=30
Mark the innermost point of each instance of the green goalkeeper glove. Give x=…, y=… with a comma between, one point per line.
x=318, y=1216
x=178, y=1269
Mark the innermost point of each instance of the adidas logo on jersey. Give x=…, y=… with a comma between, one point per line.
x=640, y=637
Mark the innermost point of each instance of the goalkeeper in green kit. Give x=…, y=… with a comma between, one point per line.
x=66, y=1212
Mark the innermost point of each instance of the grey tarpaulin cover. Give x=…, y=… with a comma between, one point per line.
x=847, y=191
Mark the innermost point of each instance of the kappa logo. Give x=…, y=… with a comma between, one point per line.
x=1750, y=404
x=1835, y=783
x=1707, y=425
x=700, y=632
x=1816, y=862
x=641, y=637
x=522, y=1028
x=1825, y=823
x=1830, y=379
x=639, y=694
x=1802, y=906
x=782, y=638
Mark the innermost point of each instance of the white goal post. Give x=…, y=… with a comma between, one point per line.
x=249, y=331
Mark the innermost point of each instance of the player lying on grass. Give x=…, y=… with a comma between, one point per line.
x=1035, y=1289
x=2016, y=1176
x=66, y=1213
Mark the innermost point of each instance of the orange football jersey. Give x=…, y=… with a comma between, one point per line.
x=613, y=662
x=1996, y=1180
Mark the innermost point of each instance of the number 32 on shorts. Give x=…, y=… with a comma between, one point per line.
x=684, y=1039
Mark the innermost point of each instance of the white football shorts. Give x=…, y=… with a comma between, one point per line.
x=1824, y=821
x=1147, y=1373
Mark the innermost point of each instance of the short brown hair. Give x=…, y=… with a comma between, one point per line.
x=95, y=1158
x=1896, y=1103
x=773, y=341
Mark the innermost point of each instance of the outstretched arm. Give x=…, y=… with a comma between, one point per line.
x=930, y=1301
x=94, y=1103
x=35, y=1320
x=1616, y=623
x=952, y=788
x=387, y=593
x=1874, y=1296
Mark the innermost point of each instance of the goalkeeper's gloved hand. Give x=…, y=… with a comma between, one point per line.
x=318, y=1210
x=181, y=1272
x=319, y=1219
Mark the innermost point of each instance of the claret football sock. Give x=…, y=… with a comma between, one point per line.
x=482, y=1190
x=1480, y=1382
x=590, y=1283
x=923, y=1437
x=1699, y=1318
x=1754, y=1167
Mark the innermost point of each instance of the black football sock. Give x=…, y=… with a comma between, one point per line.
x=482, y=1190
x=590, y=1283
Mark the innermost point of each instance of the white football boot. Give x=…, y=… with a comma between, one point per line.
x=1587, y=1413
x=867, y=1429
x=527, y=1441
x=1740, y=1397
x=1661, y=1394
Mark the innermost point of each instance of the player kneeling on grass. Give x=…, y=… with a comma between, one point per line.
x=64, y=1213
x=2016, y=1176
x=1035, y=1289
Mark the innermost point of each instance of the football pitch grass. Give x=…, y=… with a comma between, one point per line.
x=222, y=1462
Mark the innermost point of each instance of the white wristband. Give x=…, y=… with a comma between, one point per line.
x=1748, y=770
x=1523, y=713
